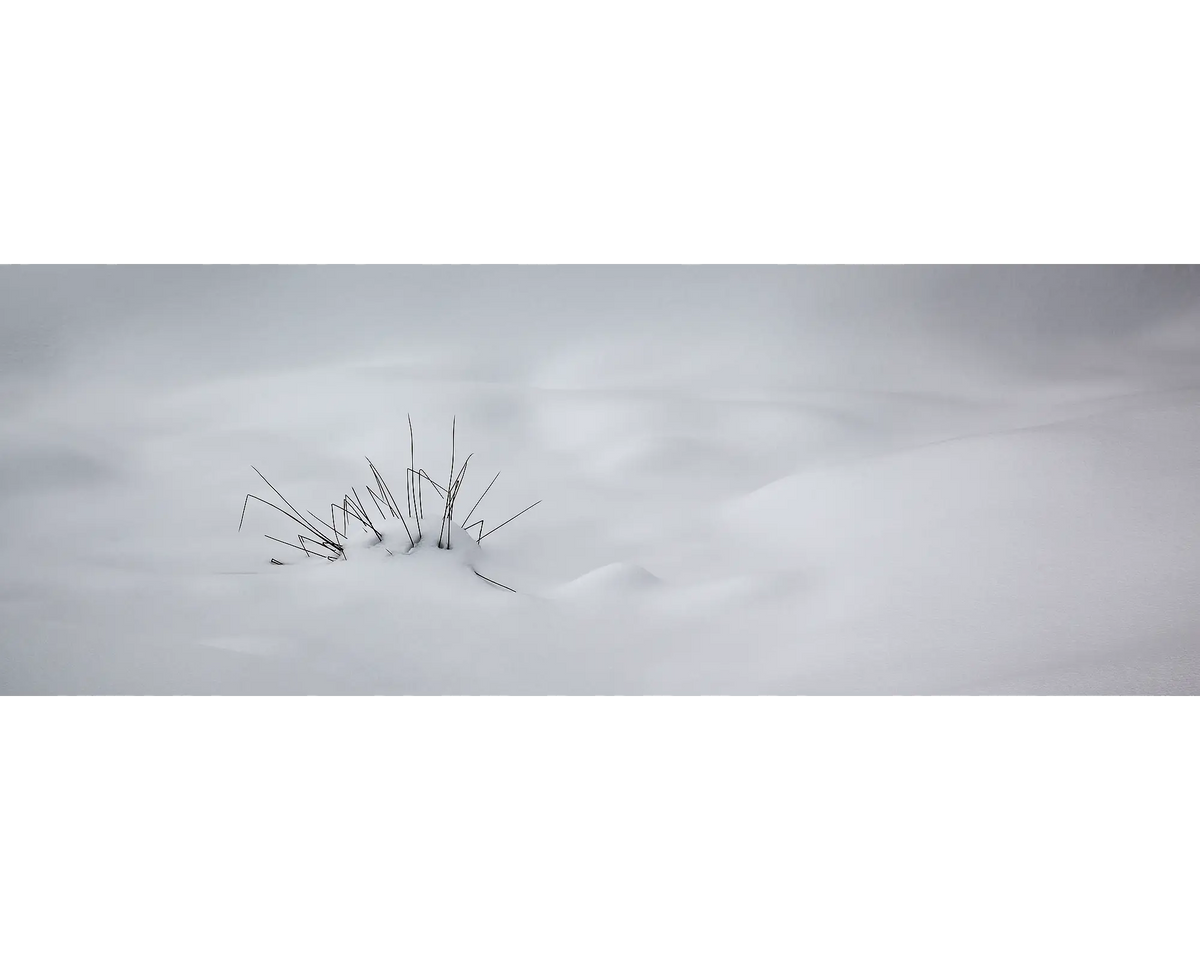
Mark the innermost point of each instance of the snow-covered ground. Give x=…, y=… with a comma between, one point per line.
x=753, y=480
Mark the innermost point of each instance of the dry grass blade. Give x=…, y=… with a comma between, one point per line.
x=412, y=466
x=496, y=582
x=378, y=500
x=360, y=514
x=482, y=495
x=379, y=483
x=388, y=490
x=284, y=542
x=323, y=523
x=416, y=498
x=298, y=518
x=411, y=541
x=477, y=523
x=350, y=510
x=384, y=490
x=345, y=517
x=433, y=483
x=251, y=496
x=445, y=531
x=324, y=545
x=348, y=507
x=452, y=498
x=389, y=503
x=508, y=521
x=366, y=516
x=457, y=484
x=361, y=509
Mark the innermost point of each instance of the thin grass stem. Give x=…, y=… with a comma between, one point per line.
x=482, y=495
x=378, y=501
x=412, y=464
x=251, y=496
x=508, y=521
x=283, y=498
x=496, y=582
x=322, y=522
x=284, y=542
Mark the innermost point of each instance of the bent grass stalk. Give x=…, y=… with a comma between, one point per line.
x=482, y=495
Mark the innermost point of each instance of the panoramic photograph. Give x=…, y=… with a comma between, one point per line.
x=574, y=480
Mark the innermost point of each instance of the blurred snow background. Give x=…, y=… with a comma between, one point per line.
x=754, y=479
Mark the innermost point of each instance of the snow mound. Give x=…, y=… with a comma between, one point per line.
x=613, y=580
x=1057, y=551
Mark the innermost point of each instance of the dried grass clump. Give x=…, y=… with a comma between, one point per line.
x=328, y=540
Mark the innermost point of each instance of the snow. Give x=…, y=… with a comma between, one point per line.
x=784, y=482
x=613, y=583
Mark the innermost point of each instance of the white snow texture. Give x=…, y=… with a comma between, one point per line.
x=892, y=480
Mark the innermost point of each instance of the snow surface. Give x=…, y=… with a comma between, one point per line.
x=782, y=481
